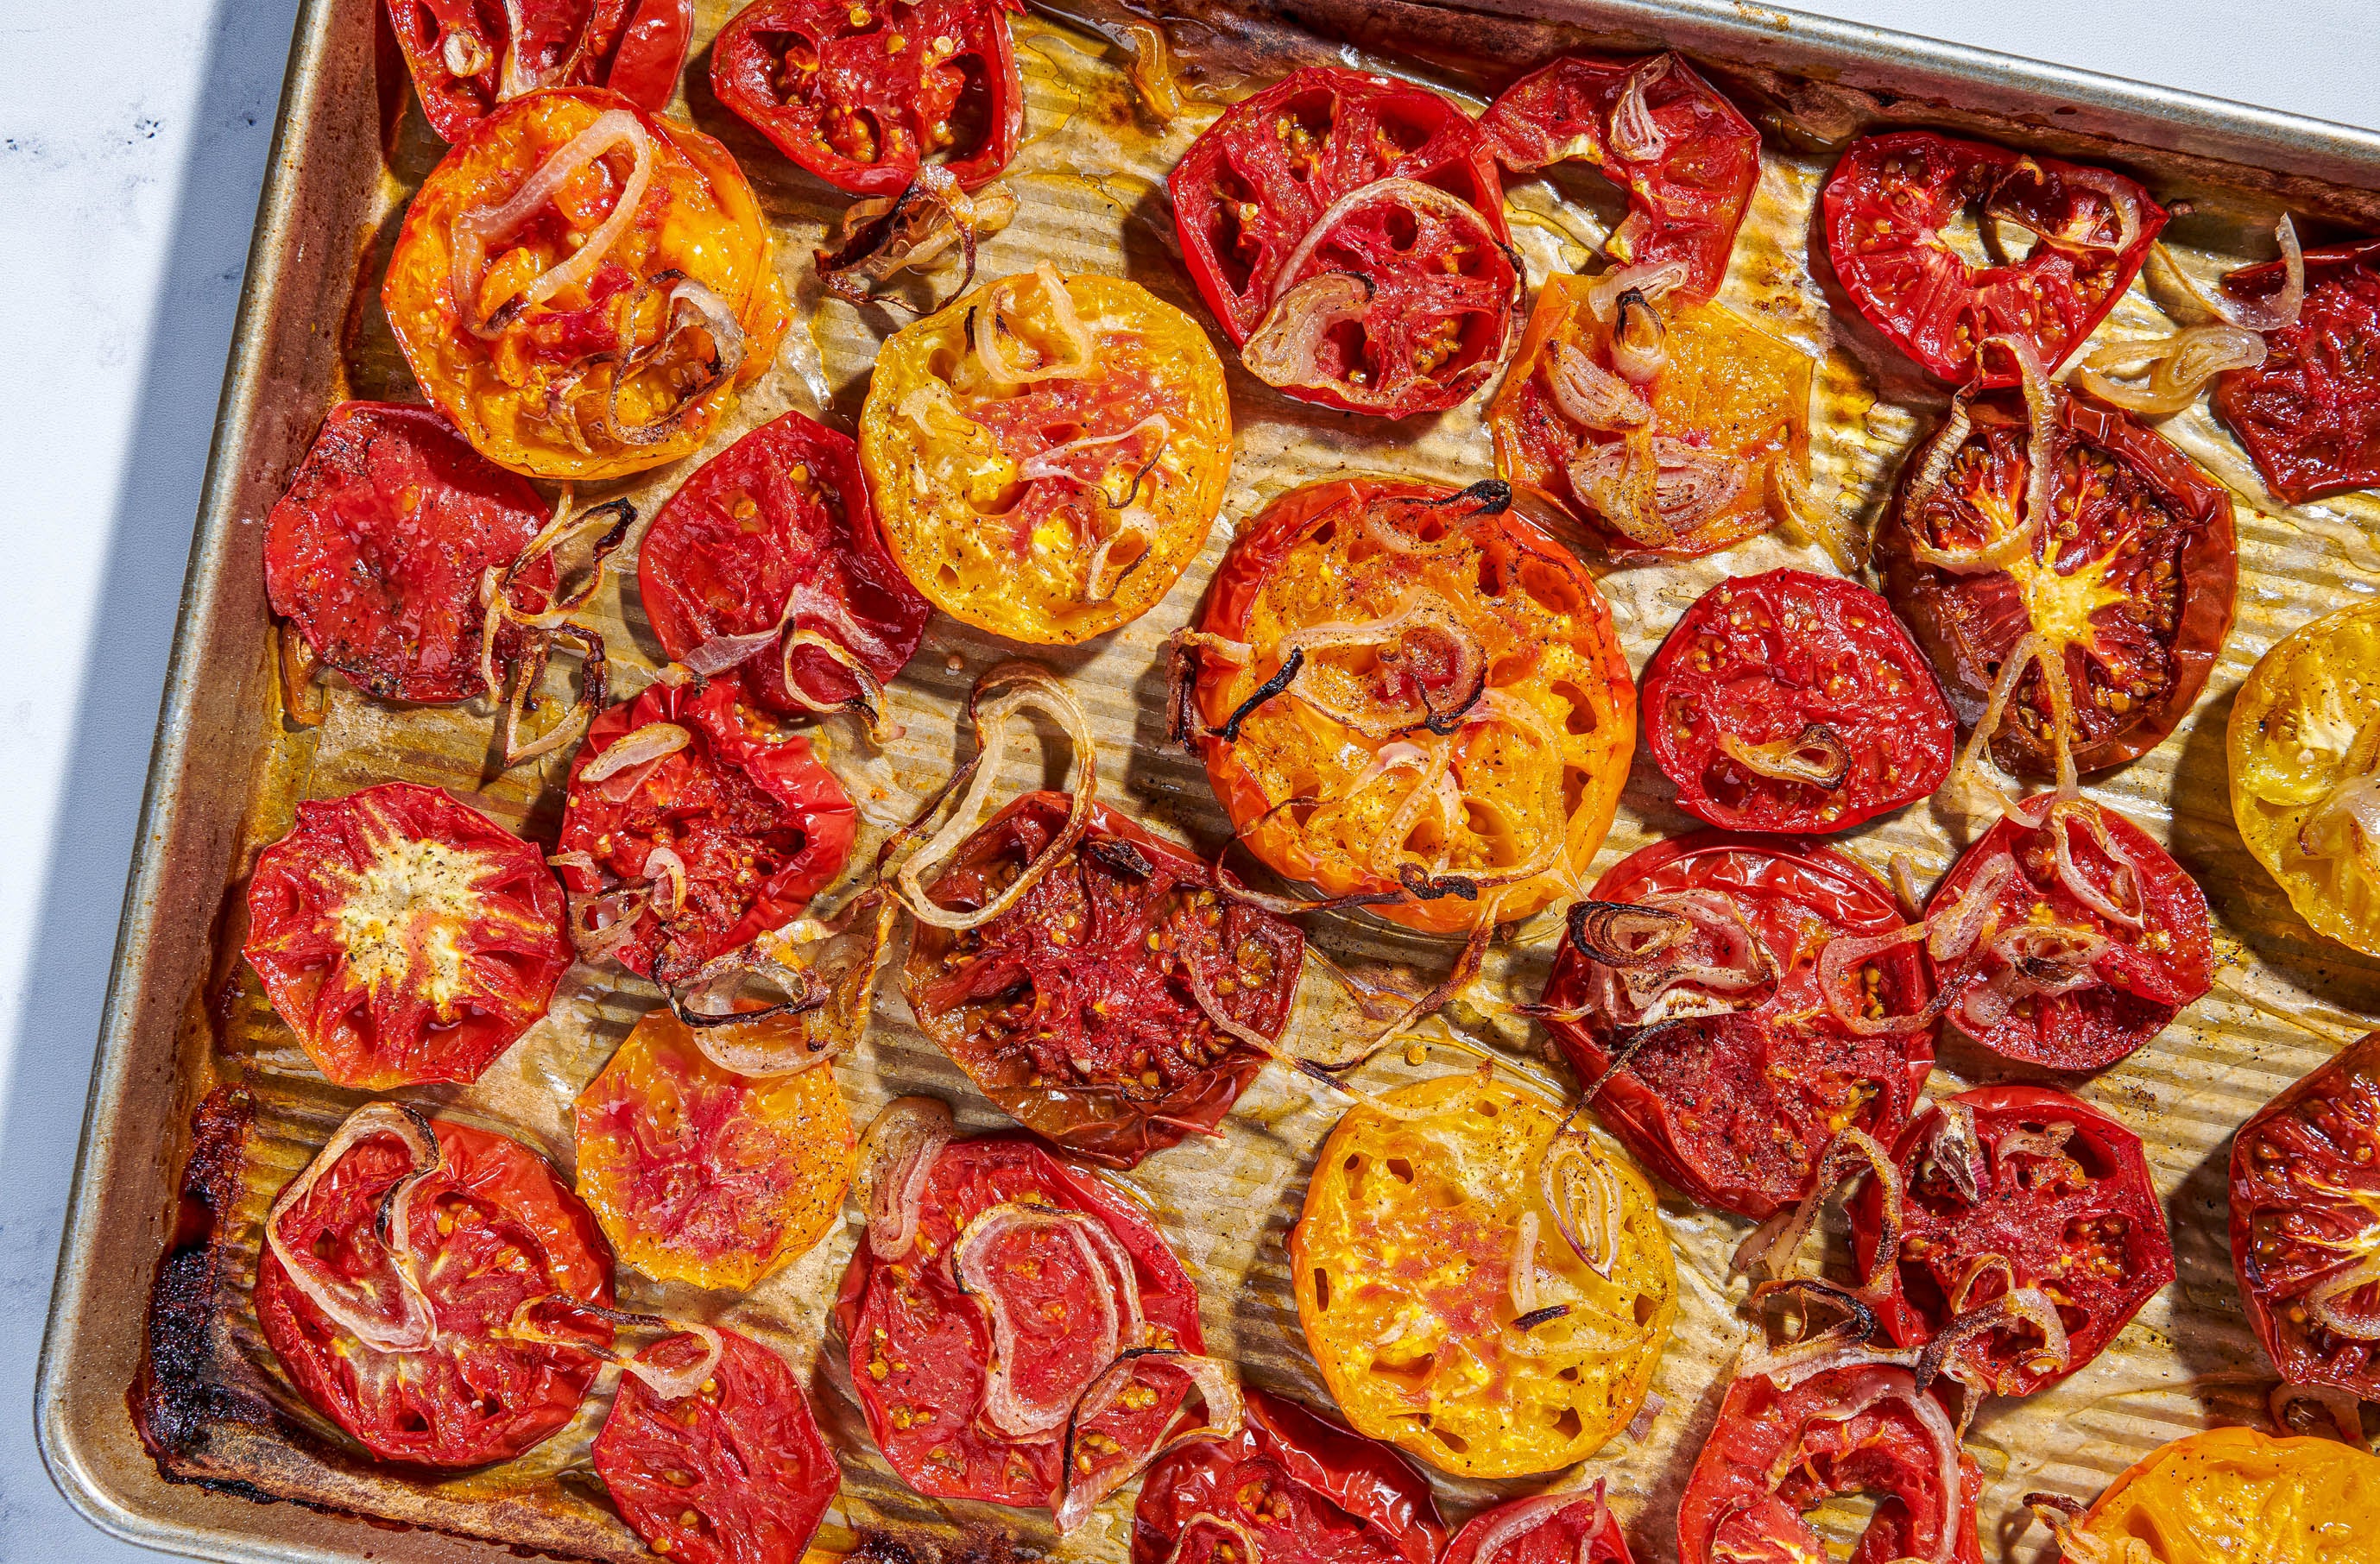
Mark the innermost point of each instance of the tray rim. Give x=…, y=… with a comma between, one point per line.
x=2253, y=137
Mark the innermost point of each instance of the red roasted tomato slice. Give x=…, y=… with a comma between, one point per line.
x=1794, y=702
x=2094, y=938
x=2310, y=413
x=1781, y=1446
x=404, y=937
x=775, y=535
x=1290, y=1487
x=2305, y=1224
x=1687, y=157
x=468, y=55
x=1741, y=1071
x=393, y=1264
x=971, y=1346
x=2009, y=1187
x=1348, y=231
x=861, y=94
x=1088, y=1010
x=1888, y=200
x=377, y=551
x=736, y=1473
x=756, y=827
x=2130, y=590
x=1556, y=1528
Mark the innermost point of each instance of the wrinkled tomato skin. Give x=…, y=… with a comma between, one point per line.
x=1702, y=1102
x=1774, y=1454
x=2310, y=413
x=652, y=51
x=920, y=1347
x=1328, y=1494
x=875, y=66
x=406, y=937
x=762, y=1474
x=761, y=824
x=2305, y=1207
x=1885, y=205
x=596, y=38
x=744, y=535
x=1761, y=658
x=1686, y=204
x=376, y=552
x=2144, y=982
x=498, y=1229
x=1581, y=1532
x=2103, y=1278
x=1079, y=944
x=2120, y=483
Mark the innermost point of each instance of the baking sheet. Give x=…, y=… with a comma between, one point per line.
x=1089, y=183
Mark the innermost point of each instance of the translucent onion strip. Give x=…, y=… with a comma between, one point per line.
x=476, y=230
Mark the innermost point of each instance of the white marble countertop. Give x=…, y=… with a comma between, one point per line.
x=132, y=143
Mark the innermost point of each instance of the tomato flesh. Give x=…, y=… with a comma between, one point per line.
x=1761, y=661
x=1552, y=1529
x=2230, y=1494
x=1735, y=1105
x=1888, y=201
x=2310, y=413
x=510, y=49
x=862, y=95
x=1073, y=1011
x=404, y=937
x=2064, y=1199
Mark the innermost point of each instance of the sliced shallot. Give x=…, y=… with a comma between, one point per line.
x=1003, y=1407
x=475, y=231
x=989, y=332
x=1635, y=136
x=648, y=743
x=2276, y=313
x=1653, y=279
x=2025, y=1306
x=1814, y=756
x=2159, y=377
x=1089, y=1482
x=1590, y=396
x=1839, y=962
x=1771, y=1248
x=1286, y=350
x=896, y=1162
x=1640, y=342
x=415, y=1323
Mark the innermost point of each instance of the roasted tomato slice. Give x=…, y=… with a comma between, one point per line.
x=2305, y=1224
x=1703, y=959
x=393, y=1267
x=705, y=831
x=2068, y=938
x=585, y=288
x=704, y=1176
x=2011, y=1187
x=1784, y=1445
x=862, y=95
x=1556, y=1528
x=2234, y=1494
x=1348, y=231
x=1088, y=1010
x=1047, y=452
x=404, y=937
x=1687, y=157
x=1674, y=463
x=2128, y=588
x=2305, y=771
x=1441, y=1291
x=1288, y=1486
x=736, y=1472
x=1794, y=702
x=770, y=547
x=377, y=551
x=1413, y=696
x=972, y=1344
x=1886, y=208
x=2310, y=413
x=467, y=58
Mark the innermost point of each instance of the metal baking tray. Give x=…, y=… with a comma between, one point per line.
x=346, y=151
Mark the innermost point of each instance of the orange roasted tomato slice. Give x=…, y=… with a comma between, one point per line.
x=1412, y=698
x=1047, y=452
x=2235, y=1493
x=1659, y=426
x=584, y=288
x=704, y=1176
x=405, y=936
x=1480, y=1287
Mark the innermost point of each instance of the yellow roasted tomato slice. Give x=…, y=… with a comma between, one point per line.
x=1481, y=1287
x=1656, y=425
x=704, y=1176
x=585, y=288
x=2232, y=1494
x=1414, y=698
x=1047, y=452
x=2305, y=771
